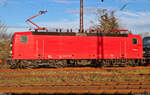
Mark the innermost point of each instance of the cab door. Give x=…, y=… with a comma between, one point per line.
x=123, y=47
x=135, y=47
x=40, y=48
x=135, y=44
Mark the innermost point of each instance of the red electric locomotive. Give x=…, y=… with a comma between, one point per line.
x=57, y=48
x=35, y=48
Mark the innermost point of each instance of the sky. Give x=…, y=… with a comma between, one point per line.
x=65, y=13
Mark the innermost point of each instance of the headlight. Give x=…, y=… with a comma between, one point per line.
x=10, y=45
x=10, y=52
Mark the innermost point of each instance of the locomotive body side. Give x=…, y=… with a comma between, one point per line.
x=30, y=45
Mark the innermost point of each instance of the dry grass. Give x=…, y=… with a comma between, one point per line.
x=4, y=49
x=72, y=76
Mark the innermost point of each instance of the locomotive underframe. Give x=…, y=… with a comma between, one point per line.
x=77, y=63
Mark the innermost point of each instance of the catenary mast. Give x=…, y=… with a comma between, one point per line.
x=82, y=16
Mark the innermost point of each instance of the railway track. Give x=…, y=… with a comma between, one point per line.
x=94, y=88
x=3, y=69
x=122, y=80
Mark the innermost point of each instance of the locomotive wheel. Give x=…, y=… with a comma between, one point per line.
x=34, y=64
x=95, y=63
x=71, y=63
x=60, y=63
x=101, y=63
x=145, y=62
x=21, y=64
x=133, y=63
x=13, y=64
x=98, y=63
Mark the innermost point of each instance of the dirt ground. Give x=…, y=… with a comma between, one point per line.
x=76, y=80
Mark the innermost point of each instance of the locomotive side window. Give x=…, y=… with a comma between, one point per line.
x=135, y=41
x=24, y=39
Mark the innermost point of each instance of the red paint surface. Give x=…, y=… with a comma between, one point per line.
x=76, y=47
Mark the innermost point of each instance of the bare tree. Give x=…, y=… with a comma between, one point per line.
x=4, y=37
x=107, y=21
x=4, y=41
x=3, y=29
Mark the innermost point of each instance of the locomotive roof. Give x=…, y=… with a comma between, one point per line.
x=78, y=34
x=72, y=34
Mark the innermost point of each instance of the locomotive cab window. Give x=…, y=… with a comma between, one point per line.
x=23, y=39
x=135, y=41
